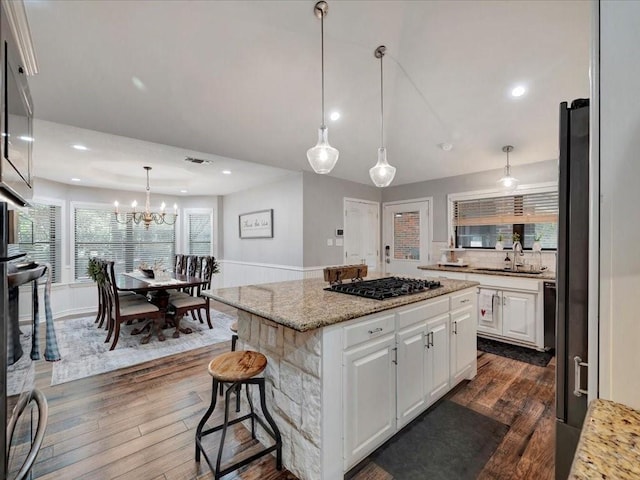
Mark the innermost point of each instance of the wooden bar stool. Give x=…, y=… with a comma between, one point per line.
x=238, y=368
x=234, y=341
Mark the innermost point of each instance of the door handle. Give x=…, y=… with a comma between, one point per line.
x=375, y=330
x=431, y=335
x=427, y=339
x=578, y=364
x=395, y=355
x=455, y=328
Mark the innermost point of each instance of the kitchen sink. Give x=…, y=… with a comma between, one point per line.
x=508, y=270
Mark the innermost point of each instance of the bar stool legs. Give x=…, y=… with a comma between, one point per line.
x=271, y=428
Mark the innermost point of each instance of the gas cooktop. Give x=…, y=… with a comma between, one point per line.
x=383, y=288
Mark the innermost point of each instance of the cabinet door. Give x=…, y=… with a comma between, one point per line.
x=437, y=363
x=463, y=343
x=369, y=397
x=489, y=311
x=411, y=372
x=519, y=316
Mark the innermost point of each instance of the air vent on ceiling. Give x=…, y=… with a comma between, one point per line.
x=198, y=161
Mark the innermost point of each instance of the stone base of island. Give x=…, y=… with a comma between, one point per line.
x=346, y=373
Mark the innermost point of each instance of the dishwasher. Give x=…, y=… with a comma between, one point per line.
x=549, y=315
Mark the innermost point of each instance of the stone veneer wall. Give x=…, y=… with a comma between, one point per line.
x=293, y=381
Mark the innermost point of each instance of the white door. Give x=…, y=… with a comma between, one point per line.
x=463, y=343
x=519, y=315
x=437, y=368
x=361, y=233
x=369, y=397
x=406, y=233
x=410, y=375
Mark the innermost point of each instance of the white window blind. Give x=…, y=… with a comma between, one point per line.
x=97, y=233
x=39, y=235
x=199, y=233
x=480, y=222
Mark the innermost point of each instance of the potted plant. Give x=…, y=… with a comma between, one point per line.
x=515, y=237
x=537, y=246
x=95, y=271
x=499, y=245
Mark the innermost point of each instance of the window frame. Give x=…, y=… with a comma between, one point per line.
x=72, y=242
x=186, y=232
x=62, y=254
x=546, y=187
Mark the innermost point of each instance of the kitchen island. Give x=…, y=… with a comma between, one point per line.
x=345, y=373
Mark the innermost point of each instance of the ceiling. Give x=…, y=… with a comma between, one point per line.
x=241, y=80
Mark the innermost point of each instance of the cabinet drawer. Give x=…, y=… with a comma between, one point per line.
x=368, y=329
x=463, y=300
x=426, y=311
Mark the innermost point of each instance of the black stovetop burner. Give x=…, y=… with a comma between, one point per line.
x=383, y=288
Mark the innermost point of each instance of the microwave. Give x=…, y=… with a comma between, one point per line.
x=16, y=126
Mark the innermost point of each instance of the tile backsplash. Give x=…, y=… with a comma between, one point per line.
x=495, y=258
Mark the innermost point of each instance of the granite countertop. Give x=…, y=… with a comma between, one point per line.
x=609, y=444
x=305, y=305
x=545, y=275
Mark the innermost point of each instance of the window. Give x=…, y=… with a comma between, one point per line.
x=481, y=222
x=97, y=233
x=199, y=233
x=39, y=235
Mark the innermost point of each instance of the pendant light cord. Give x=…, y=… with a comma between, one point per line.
x=322, y=61
x=381, y=105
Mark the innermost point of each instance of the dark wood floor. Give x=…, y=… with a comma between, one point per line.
x=139, y=423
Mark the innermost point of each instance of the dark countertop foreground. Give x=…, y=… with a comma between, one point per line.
x=545, y=275
x=305, y=305
x=609, y=444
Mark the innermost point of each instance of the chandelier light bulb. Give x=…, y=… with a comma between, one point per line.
x=508, y=182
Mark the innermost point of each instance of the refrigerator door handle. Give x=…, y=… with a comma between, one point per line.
x=578, y=363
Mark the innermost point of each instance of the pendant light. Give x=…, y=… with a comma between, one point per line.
x=323, y=156
x=382, y=174
x=508, y=182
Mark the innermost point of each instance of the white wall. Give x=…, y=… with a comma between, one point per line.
x=539, y=172
x=324, y=212
x=620, y=200
x=260, y=260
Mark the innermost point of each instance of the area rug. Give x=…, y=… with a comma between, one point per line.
x=446, y=442
x=84, y=352
x=515, y=352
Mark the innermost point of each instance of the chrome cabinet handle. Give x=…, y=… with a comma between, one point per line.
x=431, y=335
x=466, y=300
x=375, y=330
x=578, y=364
x=427, y=345
x=395, y=354
x=455, y=327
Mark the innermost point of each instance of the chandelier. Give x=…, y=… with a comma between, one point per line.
x=147, y=216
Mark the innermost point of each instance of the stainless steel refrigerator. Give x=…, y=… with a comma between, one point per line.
x=572, y=277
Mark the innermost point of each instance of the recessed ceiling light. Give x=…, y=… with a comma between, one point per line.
x=139, y=84
x=26, y=139
x=518, y=91
x=74, y=179
x=183, y=191
x=446, y=146
x=334, y=116
x=80, y=147
x=226, y=172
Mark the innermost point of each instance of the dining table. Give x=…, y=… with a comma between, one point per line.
x=157, y=291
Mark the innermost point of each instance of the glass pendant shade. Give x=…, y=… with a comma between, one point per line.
x=322, y=157
x=382, y=173
x=508, y=182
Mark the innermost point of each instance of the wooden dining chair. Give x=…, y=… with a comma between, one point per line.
x=178, y=263
x=183, y=303
x=125, y=309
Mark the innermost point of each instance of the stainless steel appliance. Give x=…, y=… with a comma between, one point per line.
x=383, y=288
x=572, y=276
x=550, y=301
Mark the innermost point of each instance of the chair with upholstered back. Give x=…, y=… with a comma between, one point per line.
x=183, y=303
x=126, y=308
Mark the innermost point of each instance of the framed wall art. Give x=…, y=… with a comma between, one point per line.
x=256, y=224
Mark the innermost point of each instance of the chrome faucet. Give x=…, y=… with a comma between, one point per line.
x=517, y=252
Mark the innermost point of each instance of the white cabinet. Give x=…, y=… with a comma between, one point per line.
x=437, y=358
x=463, y=343
x=369, y=396
x=397, y=364
x=507, y=314
x=519, y=316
